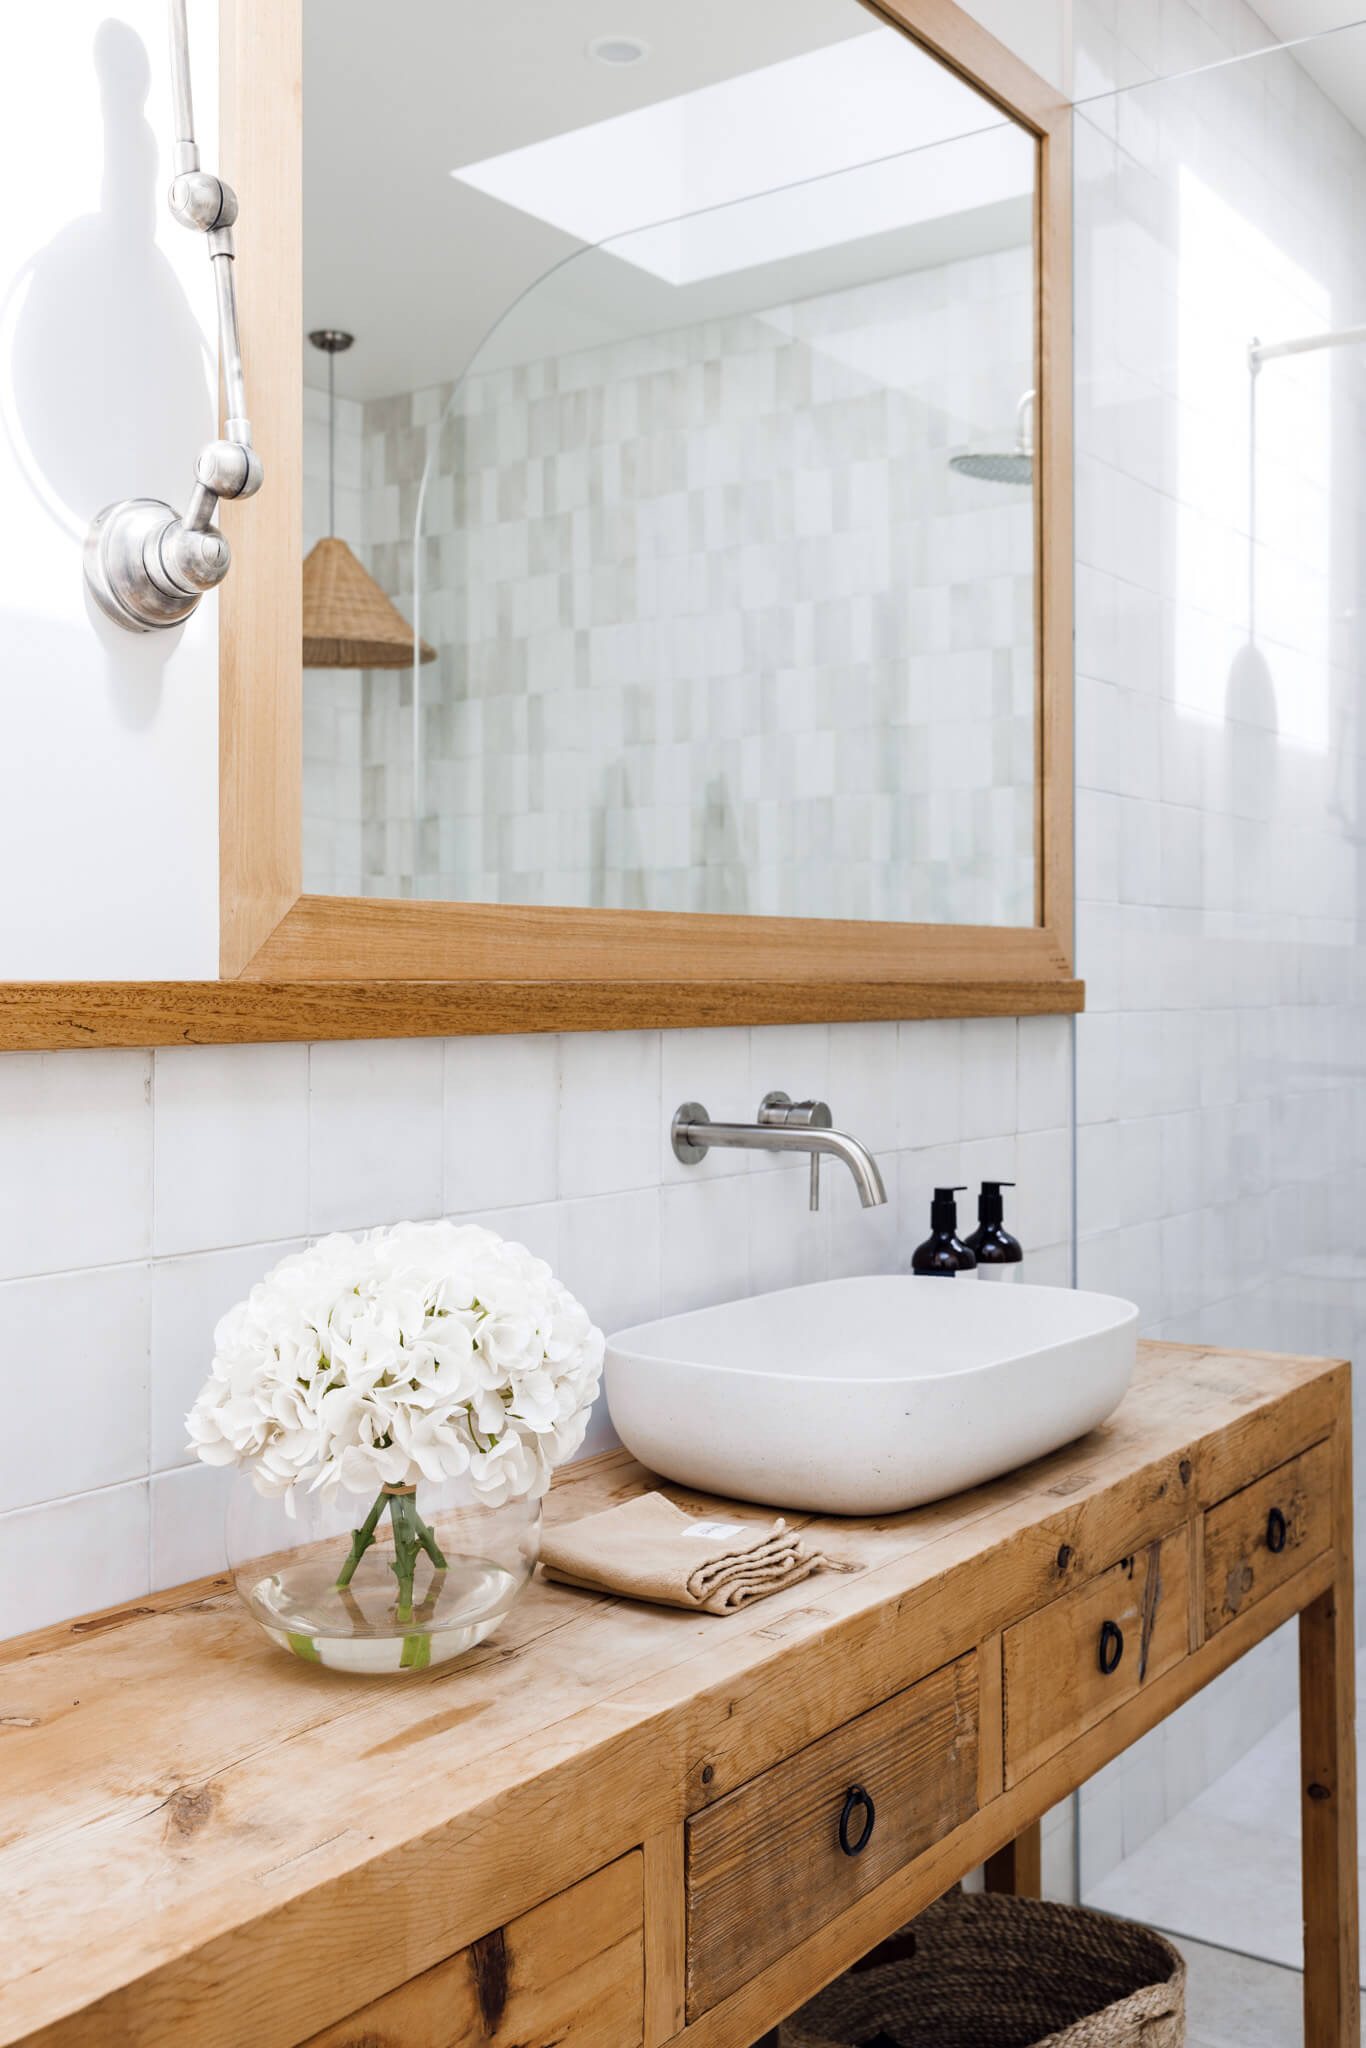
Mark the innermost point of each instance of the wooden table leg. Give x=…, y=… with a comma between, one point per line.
x=1328, y=1803
x=1018, y=1868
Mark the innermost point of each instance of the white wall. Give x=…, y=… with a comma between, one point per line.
x=1221, y=918
x=141, y=1194
x=108, y=768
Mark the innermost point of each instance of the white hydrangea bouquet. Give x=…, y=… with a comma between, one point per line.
x=367, y=1365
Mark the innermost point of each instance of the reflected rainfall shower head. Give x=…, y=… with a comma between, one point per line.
x=1000, y=465
x=996, y=467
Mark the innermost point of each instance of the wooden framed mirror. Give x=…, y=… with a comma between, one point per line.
x=869, y=260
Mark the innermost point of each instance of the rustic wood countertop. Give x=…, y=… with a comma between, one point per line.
x=192, y=1822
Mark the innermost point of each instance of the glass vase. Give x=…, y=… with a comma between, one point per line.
x=396, y=1584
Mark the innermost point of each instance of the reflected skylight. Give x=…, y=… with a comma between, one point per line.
x=839, y=110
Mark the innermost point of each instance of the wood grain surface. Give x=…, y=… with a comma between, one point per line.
x=1240, y=1567
x=765, y=1865
x=1055, y=1688
x=203, y=1839
x=569, y=1974
x=48, y=1016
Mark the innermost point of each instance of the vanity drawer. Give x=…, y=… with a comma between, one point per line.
x=776, y=1859
x=571, y=1971
x=1068, y=1666
x=1262, y=1536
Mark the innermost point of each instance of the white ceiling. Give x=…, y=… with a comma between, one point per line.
x=1338, y=63
x=419, y=265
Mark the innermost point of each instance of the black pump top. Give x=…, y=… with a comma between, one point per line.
x=990, y=1208
x=942, y=1253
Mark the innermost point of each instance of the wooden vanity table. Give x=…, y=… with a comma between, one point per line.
x=614, y=1826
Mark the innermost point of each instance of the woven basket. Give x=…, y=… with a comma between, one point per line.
x=991, y=1971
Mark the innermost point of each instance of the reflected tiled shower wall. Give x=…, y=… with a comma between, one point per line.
x=1221, y=1096
x=718, y=627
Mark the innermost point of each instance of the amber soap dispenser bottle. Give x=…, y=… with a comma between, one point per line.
x=943, y=1254
x=999, y=1255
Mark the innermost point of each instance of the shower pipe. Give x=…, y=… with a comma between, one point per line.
x=146, y=566
x=1259, y=352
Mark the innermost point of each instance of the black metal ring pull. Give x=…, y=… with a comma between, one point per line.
x=856, y=1800
x=1111, y=1646
x=1275, y=1532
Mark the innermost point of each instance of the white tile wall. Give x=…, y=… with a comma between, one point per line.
x=695, y=684
x=77, y=1186
x=231, y=1145
x=561, y=1142
x=375, y=1131
x=1221, y=1097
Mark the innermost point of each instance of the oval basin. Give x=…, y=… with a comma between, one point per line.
x=866, y=1396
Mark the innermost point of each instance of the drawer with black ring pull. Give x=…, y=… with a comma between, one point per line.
x=776, y=1859
x=1258, y=1538
x=1067, y=1666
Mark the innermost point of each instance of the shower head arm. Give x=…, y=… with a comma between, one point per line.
x=1259, y=352
x=1024, y=425
x=147, y=568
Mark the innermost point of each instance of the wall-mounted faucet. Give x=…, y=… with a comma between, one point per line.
x=781, y=1126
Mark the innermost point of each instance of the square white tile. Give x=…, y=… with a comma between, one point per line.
x=537, y=1225
x=231, y=1151
x=502, y=1119
x=1044, y=1067
x=79, y=1340
x=990, y=1080
x=188, y=1523
x=788, y=1245
x=863, y=1240
x=610, y=1256
x=76, y=1164
x=864, y=1064
x=610, y=1111
x=72, y=1556
x=929, y=1083
x=704, y=1234
x=374, y=1132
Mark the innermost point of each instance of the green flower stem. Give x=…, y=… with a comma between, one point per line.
x=426, y=1536
x=416, y=1653
x=412, y=1536
x=403, y=1516
x=361, y=1539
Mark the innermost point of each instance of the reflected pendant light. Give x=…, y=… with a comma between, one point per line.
x=348, y=620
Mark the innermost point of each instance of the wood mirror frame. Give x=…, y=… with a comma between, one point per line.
x=314, y=967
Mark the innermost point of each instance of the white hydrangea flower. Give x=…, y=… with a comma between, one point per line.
x=425, y=1351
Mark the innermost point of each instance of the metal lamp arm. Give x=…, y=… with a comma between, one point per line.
x=147, y=567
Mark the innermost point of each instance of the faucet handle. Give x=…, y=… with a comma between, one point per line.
x=779, y=1108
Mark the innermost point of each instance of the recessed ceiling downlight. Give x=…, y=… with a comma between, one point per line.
x=618, y=50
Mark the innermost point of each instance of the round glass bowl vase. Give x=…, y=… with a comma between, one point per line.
x=395, y=1584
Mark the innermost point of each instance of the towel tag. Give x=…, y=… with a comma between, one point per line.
x=715, y=1532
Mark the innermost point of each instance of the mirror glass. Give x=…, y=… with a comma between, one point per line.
x=687, y=433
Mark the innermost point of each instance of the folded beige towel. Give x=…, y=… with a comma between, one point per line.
x=647, y=1549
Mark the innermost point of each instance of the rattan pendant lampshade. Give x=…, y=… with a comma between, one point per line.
x=348, y=620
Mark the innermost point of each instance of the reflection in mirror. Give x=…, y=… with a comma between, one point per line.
x=690, y=423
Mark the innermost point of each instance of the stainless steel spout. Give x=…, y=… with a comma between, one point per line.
x=781, y=1126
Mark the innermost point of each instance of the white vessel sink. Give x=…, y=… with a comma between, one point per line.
x=866, y=1396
